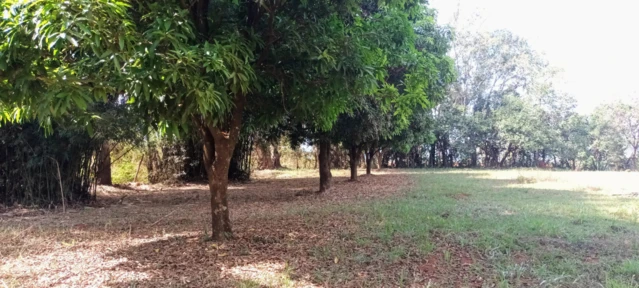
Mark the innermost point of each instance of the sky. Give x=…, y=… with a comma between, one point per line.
x=594, y=43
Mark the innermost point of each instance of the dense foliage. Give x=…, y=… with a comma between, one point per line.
x=503, y=111
x=39, y=170
x=204, y=65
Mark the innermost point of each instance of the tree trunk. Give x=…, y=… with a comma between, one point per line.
x=431, y=158
x=353, y=154
x=503, y=160
x=369, y=160
x=325, y=164
x=264, y=151
x=316, y=156
x=444, y=152
x=104, y=165
x=276, y=156
x=218, y=151
x=473, y=159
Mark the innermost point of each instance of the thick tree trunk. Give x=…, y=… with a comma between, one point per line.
x=444, y=152
x=325, y=164
x=264, y=154
x=276, y=156
x=353, y=153
x=104, y=162
x=218, y=185
x=219, y=145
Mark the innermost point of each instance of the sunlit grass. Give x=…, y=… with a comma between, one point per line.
x=577, y=228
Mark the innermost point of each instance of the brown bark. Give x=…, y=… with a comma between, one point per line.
x=264, y=153
x=503, y=160
x=325, y=164
x=353, y=153
x=104, y=165
x=444, y=151
x=369, y=160
x=276, y=157
x=219, y=145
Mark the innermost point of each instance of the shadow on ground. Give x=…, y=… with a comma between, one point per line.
x=340, y=239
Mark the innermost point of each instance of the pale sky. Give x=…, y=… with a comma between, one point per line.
x=595, y=43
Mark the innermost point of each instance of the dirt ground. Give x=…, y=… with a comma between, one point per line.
x=142, y=236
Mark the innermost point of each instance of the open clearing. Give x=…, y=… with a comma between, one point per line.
x=414, y=228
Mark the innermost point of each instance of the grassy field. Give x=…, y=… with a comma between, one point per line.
x=399, y=228
x=523, y=228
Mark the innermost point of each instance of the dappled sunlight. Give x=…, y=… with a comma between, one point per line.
x=154, y=238
x=157, y=235
x=270, y=274
x=68, y=266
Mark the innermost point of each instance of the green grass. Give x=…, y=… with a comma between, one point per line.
x=123, y=170
x=572, y=235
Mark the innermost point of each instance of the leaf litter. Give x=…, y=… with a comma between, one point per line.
x=156, y=236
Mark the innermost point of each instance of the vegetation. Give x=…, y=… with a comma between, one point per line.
x=175, y=93
x=531, y=227
x=459, y=228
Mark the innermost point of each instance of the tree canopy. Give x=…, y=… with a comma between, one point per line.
x=203, y=65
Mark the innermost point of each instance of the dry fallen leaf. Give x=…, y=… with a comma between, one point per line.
x=267, y=238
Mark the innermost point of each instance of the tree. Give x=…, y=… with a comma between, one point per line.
x=189, y=65
x=489, y=66
x=362, y=129
x=616, y=134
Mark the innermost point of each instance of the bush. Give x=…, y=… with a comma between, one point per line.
x=30, y=163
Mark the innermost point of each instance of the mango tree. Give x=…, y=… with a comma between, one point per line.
x=186, y=66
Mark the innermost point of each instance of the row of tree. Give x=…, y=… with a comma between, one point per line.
x=503, y=111
x=373, y=77
x=222, y=69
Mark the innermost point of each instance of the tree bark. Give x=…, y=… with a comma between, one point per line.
x=316, y=156
x=104, y=165
x=444, y=152
x=219, y=145
x=369, y=159
x=353, y=153
x=503, y=160
x=276, y=156
x=325, y=164
x=264, y=151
